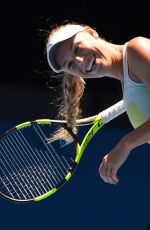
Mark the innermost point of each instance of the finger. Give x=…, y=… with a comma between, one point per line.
x=111, y=174
x=108, y=174
x=114, y=175
x=102, y=170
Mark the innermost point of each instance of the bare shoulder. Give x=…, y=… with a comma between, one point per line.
x=139, y=40
x=138, y=54
x=138, y=46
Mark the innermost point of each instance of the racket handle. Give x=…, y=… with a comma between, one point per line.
x=112, y=112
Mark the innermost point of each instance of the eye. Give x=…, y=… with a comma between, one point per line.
x=77, y=47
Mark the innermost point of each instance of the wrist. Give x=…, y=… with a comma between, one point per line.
x=127, y=144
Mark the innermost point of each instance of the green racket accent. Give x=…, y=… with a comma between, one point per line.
x=42, y=197
x=43, y=121
x=78, y=154
x=23, y=125
x=28, y=123
x=68, y=176
x=80, y=149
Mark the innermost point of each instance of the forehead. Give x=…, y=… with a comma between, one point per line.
x=67, y=44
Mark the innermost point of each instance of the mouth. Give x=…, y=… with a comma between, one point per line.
x=91, y=64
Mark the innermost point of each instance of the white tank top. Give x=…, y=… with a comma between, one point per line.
x=136, y=97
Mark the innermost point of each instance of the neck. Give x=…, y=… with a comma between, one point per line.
x=114, y=59
x=117, y=62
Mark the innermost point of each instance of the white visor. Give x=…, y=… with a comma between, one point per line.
x=62, y=34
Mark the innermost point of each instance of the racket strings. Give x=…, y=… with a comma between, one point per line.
x=28, y=172
x=10, y=169
x=51, y=150
x=7, y=183
x=27, y=175
x=31, y=180
x=38, y=158
x=31, y=175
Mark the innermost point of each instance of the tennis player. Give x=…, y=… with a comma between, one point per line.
x=77, y=52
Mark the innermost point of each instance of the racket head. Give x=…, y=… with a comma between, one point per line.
x=33, y=166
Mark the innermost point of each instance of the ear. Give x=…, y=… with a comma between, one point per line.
x=92, y=32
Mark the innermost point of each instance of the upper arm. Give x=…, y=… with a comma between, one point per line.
x=138, y=52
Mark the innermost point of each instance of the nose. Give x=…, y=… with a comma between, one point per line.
x=78, y=59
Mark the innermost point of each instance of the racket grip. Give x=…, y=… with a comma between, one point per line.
x=112, y=112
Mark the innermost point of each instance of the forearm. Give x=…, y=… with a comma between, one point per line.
x=137, y=137
x=118, y=155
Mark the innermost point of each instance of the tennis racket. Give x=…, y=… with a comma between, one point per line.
x=33, y=165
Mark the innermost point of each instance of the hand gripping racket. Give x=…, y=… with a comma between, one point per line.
x=32, y=167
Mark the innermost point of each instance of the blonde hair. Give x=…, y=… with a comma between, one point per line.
x=73, y=88
x=72, y=91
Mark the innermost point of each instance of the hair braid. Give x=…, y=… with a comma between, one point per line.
x=73, y=88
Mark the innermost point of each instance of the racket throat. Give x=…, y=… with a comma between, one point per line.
x=78, y=153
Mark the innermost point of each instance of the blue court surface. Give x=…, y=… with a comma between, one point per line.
x=86, y=202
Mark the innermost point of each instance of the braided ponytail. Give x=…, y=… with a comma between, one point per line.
x=73, y=88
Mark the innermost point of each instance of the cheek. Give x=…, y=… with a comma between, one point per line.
x=86, y=48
